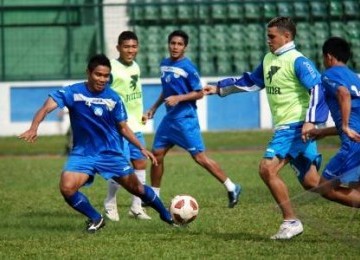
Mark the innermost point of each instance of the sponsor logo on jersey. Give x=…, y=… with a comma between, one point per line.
x=273, y=90
x=109, y=103
x=310, y=69
x=133, y=96
x=177, y=71
x=272, y=72
x=355, y=89
x=98, y=111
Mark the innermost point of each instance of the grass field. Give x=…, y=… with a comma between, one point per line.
x=37, y=224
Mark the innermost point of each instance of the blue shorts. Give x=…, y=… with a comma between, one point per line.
x=345, y=165
x=108, y=166
x=131, y=152
x=287, y=143
x=183, y=132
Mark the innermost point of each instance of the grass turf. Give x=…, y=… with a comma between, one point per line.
x=36, y=223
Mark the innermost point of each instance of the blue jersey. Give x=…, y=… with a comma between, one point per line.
x=332, y=79
x=94, y=119
x=178, y=78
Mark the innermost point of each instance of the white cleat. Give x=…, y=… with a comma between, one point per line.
x=288, y=230
x=138, y=213
x=111, y=211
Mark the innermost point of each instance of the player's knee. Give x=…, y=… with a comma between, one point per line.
x=67, y=190
x=137, y=189
x=201, y=159
x=159, y=156
x=265, y=172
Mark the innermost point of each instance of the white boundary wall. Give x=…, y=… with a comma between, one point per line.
x=8, y=128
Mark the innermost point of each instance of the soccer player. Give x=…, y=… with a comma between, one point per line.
x=181, y=87
x=125, y=81
x=296, y=103
x=342, y=94
x=98, y=120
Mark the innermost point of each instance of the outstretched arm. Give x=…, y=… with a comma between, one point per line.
x=319, y=133
x=175, y=99
x=248, y=82
x=30, y=135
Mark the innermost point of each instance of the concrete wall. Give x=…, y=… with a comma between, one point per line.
x=19, y=102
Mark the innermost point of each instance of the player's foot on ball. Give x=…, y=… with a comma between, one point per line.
x=168, y=219
x=234, y=196
x=93, y=226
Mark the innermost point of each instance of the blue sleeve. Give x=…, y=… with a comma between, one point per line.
x=306, y=72
x=194, y=80
x=248, y=82
x=330, y=84
x=119, y=111
x=247, y=79
x=62, y=97
x=318, y=110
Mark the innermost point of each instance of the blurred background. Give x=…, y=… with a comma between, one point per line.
x=45, y=44
x=226, y=37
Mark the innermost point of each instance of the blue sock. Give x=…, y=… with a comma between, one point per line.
x=80, y=203
x=150, y=198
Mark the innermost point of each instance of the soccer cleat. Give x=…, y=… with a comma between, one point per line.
x=138, y=213
x=289, y=229
x=93, y=226
x=234, y=196
x=168, y=219
x=111, y=211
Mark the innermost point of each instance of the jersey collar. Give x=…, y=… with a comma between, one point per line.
x=287, y=47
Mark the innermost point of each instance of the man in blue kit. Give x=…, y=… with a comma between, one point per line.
x=340, y=179
x=181, y=87
x=98, y=121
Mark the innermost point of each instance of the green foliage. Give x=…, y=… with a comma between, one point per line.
x=36, y=223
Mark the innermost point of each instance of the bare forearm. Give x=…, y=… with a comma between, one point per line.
x=158, y=102
x=130, y=136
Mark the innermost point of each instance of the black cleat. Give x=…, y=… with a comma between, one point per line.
x=93, y=226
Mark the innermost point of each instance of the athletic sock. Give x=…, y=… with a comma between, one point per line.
x=229, y=185
x=150, y=198
x=156, y=190
x=141, y=175
x=80, y=203
x=113, y=187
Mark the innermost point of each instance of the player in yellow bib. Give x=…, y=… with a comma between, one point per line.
x=125, y=80
x=293, y=88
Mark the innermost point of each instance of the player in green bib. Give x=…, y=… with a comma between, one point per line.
x=125, y=80
x=293, y=88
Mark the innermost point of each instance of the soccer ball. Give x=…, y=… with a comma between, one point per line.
x=184, y=209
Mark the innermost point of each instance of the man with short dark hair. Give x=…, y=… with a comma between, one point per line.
x=98, y=121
